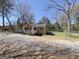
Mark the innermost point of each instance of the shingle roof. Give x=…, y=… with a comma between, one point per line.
x=36, y=25
x=39, y=25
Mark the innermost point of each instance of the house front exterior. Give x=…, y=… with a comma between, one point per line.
x=34, y=28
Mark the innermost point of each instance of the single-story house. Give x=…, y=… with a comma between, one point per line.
x=34, y=28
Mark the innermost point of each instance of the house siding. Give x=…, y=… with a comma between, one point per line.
x=31, y=29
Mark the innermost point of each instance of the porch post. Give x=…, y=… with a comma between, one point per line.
x=32, y=31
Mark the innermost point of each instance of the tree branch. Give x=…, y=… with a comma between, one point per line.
x=73, y=4
x=59, y=9
x=56, y=4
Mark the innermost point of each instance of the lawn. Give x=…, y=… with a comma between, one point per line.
x=59, y=33
x=63, y=35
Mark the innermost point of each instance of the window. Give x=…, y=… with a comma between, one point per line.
x=26, y=28
x=34, y=28
x=41, y=28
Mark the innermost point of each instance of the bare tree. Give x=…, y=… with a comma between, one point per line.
x=75, y=10
x=24, y=13
x=62, y=22
x=5, y=9
x=66, y=7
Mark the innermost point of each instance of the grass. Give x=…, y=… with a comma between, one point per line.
x=1, y=30
x=59, y=33
x=63, y=35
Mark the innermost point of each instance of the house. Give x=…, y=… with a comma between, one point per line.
x=34, y=28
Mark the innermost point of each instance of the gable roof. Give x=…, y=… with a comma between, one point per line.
x=39, y=25
x=36, y=25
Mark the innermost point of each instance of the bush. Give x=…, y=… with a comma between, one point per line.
x=49, y=33
x=38, y=34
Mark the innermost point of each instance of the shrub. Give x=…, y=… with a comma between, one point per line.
x=49, y=33
x=38, y=34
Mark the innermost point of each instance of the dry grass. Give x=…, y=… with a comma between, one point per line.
x=46, y=38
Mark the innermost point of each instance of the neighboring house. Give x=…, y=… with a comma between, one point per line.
x=34, y=28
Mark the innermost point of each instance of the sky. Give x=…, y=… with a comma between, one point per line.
x=38, y=8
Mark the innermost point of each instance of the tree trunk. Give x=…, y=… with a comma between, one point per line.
x=9, y=23
x=69, y=26
x=3, y=21
x=3, y=18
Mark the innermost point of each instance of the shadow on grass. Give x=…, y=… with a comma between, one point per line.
x=74, y=36
x=50, y=33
